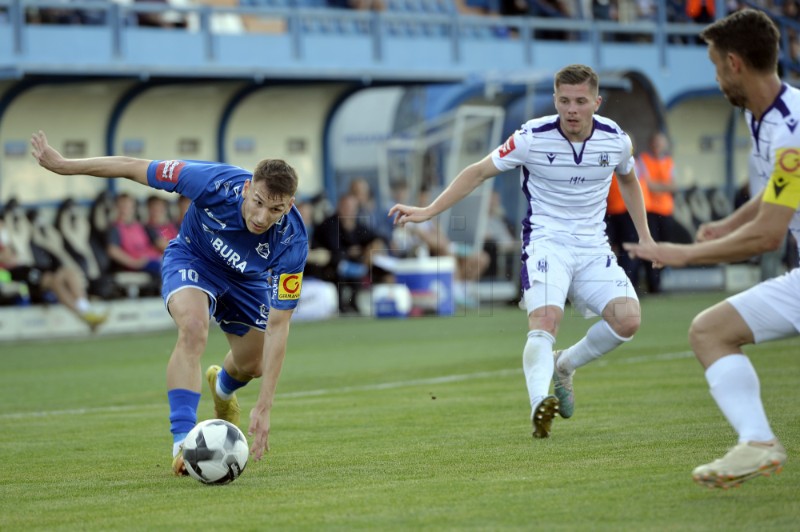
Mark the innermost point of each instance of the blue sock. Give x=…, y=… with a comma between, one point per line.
x=227, y=383
x=182, y=412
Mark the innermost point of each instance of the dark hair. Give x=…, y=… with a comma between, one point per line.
x=748, y=33
x=577, y=75
x=278, y=175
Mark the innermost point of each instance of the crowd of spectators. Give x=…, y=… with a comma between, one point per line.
x=41, y=262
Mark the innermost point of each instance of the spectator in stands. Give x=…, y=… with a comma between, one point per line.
x=247, y=275
x=159, y=227
x=319, y=258
x=352, y=245
x=129, y=246
x=656, y=171
x=320, y=299
x=367, y=209
x=565, y=252
x=500, y=243
x=66, y=284
x=361, y=5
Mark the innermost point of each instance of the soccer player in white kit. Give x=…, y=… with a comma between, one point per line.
x=566, y=163
x=744, y=50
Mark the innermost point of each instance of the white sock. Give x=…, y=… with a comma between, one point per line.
x=599, y=340
x=734, y=386
x=176, y=448
x=537, y=364
x=83, y=305
x=222, y=394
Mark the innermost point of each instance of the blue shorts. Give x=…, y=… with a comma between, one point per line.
x=237, y=304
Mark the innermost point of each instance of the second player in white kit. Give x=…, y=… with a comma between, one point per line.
x=566, y=162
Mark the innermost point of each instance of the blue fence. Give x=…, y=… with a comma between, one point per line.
x=427, y=41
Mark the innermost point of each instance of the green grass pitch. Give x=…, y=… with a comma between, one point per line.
x=418, y=424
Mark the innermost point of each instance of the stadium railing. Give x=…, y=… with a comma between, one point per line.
x=306, y=41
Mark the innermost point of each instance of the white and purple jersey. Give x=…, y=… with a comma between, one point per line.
x=214, y=234
x=566, y=183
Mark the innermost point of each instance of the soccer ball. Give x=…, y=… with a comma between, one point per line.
x=215, y=452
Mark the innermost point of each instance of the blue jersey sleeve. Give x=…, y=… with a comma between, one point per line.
x=193, y=179
x=287, y=276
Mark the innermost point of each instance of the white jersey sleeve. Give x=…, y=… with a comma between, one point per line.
x=626, y=164
x=513, y=152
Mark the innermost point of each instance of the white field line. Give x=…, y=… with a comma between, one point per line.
x=345, y=389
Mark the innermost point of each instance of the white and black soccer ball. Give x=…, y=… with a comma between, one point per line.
x=215, y=452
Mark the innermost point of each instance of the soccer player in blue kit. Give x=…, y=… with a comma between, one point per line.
x=239, y=257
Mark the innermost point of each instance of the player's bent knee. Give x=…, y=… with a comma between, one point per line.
x=627, y=326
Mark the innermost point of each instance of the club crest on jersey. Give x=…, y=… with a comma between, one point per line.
x=507, y=147
x=542, y=265
x=603, y=159
x=168, y=171
x=263, y=250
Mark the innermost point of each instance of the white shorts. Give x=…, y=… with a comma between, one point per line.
x=771, y=309
x=589, y=277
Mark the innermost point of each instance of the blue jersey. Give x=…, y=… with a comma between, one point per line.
x=214, y=233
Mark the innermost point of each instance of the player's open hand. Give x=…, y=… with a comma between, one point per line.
x=407, y=213
x=45, y=155
x=259, y=431
x=663, y=254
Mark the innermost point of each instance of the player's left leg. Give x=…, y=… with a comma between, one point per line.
x=763, y=313
x=600, y=287
x=242, y=364
x=243, y=313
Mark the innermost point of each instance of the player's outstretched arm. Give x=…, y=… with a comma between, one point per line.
x=465, y=182
x=113, y=166
x=275, y=340
x=764, y=233
x=739, y=217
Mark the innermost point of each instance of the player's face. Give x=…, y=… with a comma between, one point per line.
x=261, y=210
x=726, y=77
x=576, y=104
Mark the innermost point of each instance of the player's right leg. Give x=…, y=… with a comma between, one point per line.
x=190, y=293
x=768, y=311
x=547, y=274
x=189, y=309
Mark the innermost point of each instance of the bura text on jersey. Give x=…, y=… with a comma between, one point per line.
x=227, y=253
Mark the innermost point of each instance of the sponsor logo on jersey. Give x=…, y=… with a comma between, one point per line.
x=263, y=250
x=289, y=285
x=236, y=190
x=169, y=171
x=551, y=157
x=791, y=124
x=789, y=160
x=287, y=240
x=233, y=259
x=507, y=147
x=211, y=215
